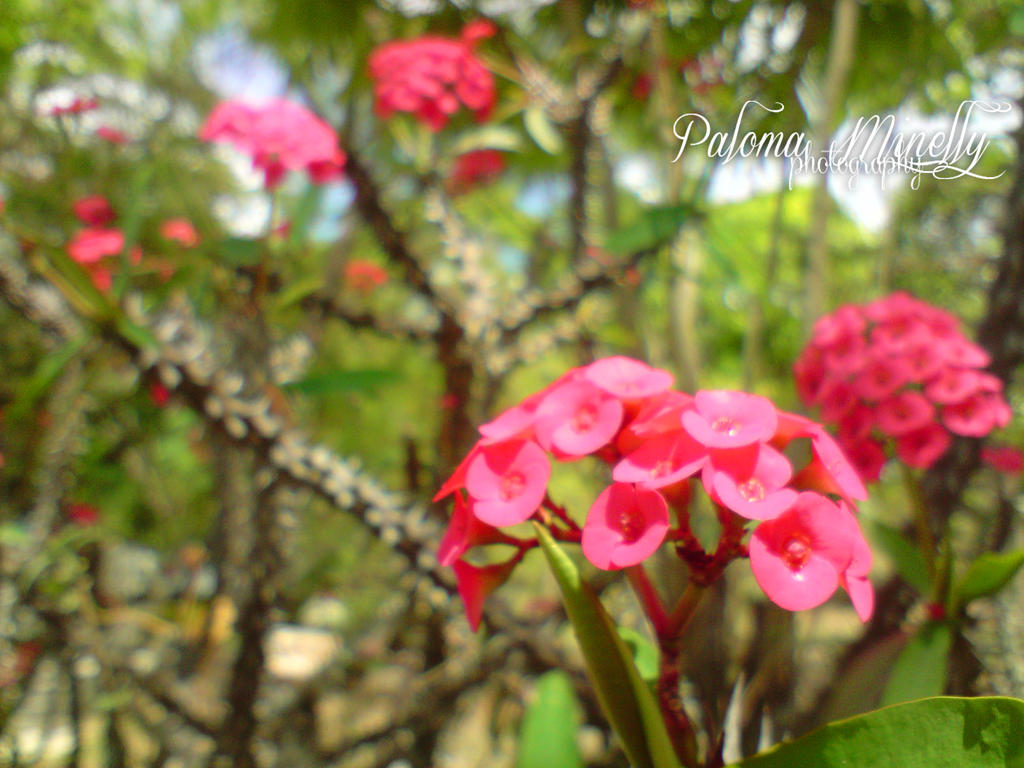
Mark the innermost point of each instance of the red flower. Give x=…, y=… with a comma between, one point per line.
x=473, y=169
x=94, y=211
x=83, y=514
x=432, y=77
x=364, y=276
x=180, y=231
x=112, y=135
x=1005, y=458
x=77, y=106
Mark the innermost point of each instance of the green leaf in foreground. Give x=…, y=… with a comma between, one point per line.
x=920, y=669
x=988, y=574
x=943, y=732
x=548, y=735
x=625, y=698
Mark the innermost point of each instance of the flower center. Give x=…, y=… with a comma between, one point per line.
x=795, y=553
x=662, y=468
x=584, y=418
x=752, y=489
x=629, y=523
x=725, y=425
x=511, y=486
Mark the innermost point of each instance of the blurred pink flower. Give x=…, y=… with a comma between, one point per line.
x=432, y=77
x=363, y=276
x=180, y=231
x=280, y=136
x=93, y=211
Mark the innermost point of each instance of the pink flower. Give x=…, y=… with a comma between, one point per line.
x=904, y=413
x=180, y=231
x=507, y=482
x=89, y=246
x=854, y=579
x=976, y=416
x=76, y=107
x=881, y=377
x=93, y=211
x=458, y=477
x=658, y=415
x=280, y=135
x=83, y=514
x=959, y=351
x=725, y=419
x=465, y=531
x=473, y=169
x=662, y=460
x=1005, y=458
x=112, y=135
x=829, y=470
x=625, y=525
x=809, y=374
x=856, y=423
x=158, y=393
x=577, y=418
x=363, y=276
x=431, y=77
x=868, y=457
x=475, y=583
x=923, y=447
x=953, y=385
x=754, y=490
x=95, y=248
x=837, y=398
x=800, y=557
x=626, y=378
x=912, y=358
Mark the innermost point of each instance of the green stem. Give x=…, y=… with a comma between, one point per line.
x=925, y=536
x=684, y=609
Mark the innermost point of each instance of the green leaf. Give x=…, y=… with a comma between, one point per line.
x=645, y=654
x=655, y=226
x=302, y=214
x=943, y=732
x=488, y=137
x=296, y=291
x=548, y=735
x=988, y=574
x=920, y=669
x=365, y=381
x=907, y=558
x=625, y=698
x=45, y=375
x=240, y=251
x=542, y=131
x=13, y=535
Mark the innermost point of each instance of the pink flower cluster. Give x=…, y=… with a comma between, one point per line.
x=660, y=445
x=431, y=77
x=898, y=372
x=280, y=135
x=98, y=245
